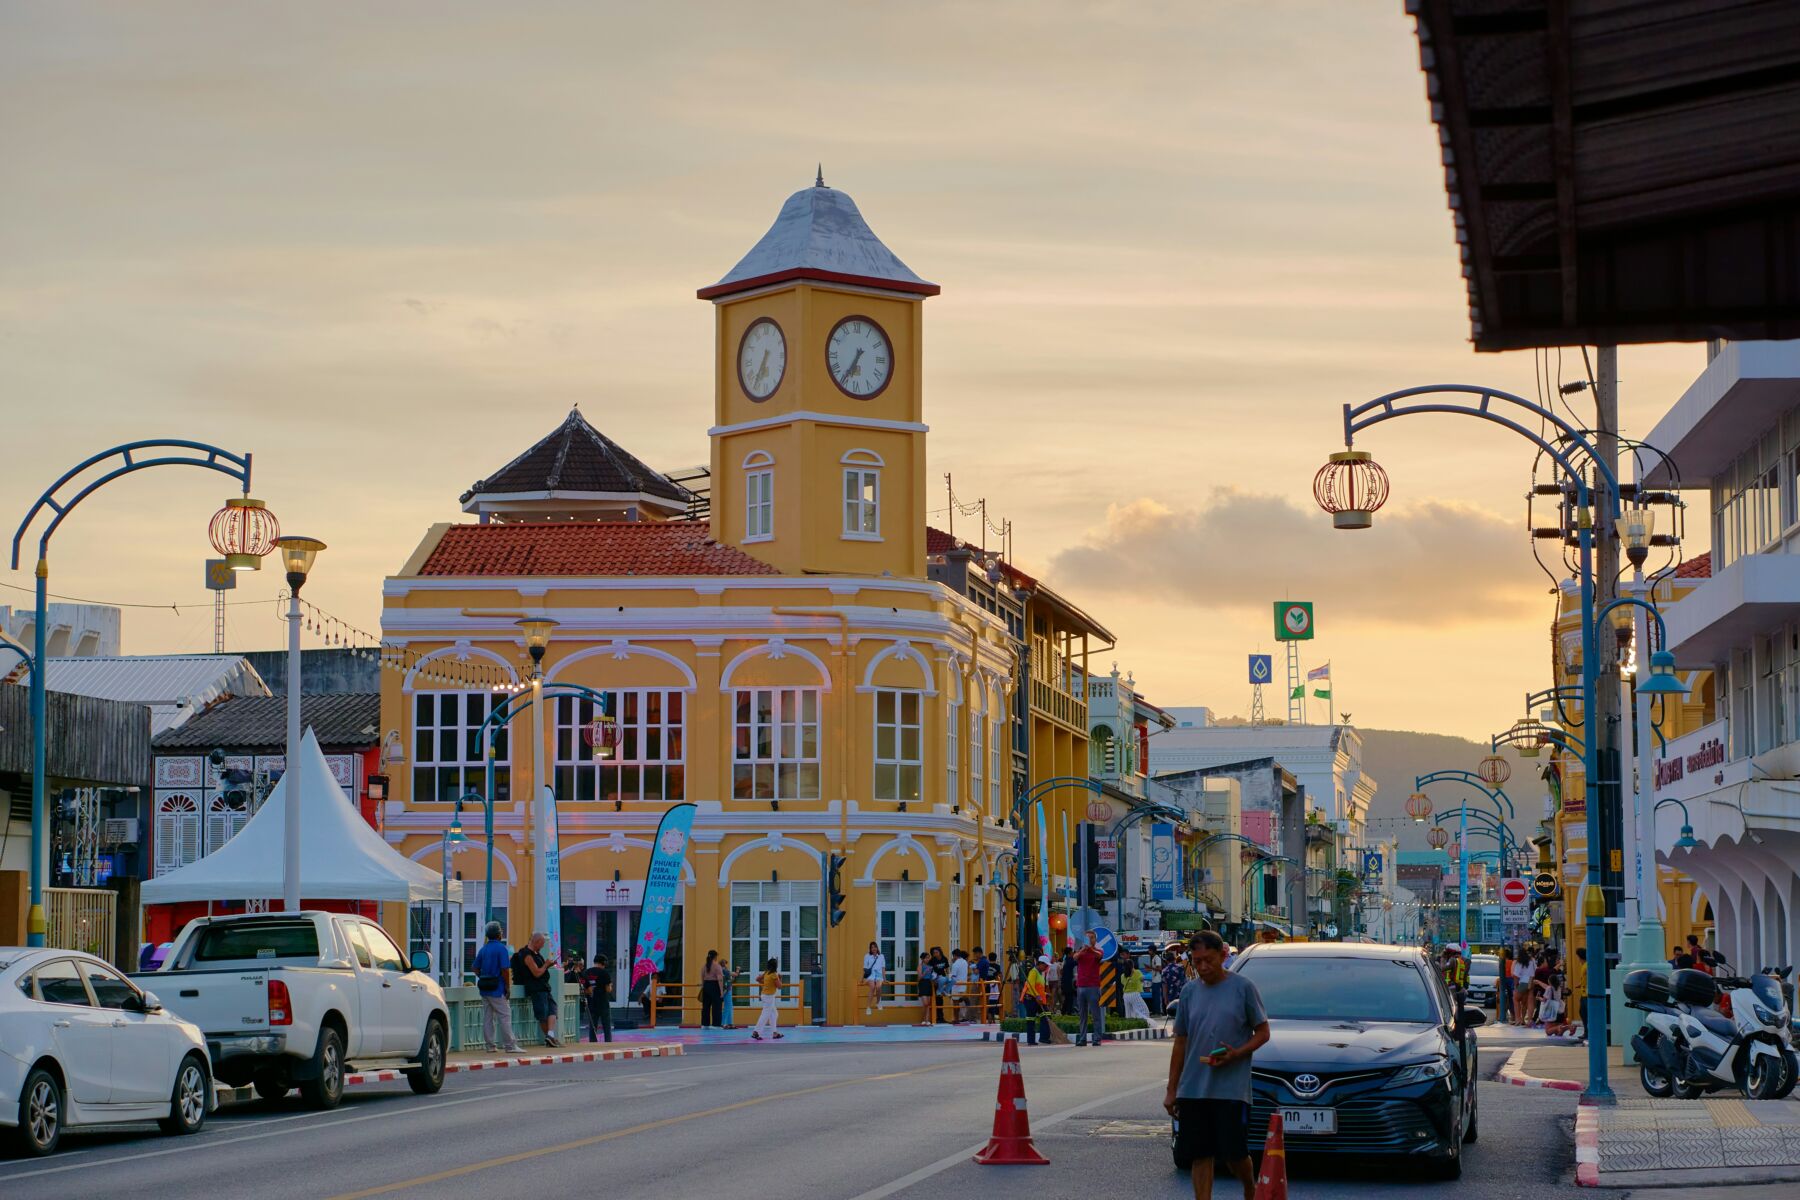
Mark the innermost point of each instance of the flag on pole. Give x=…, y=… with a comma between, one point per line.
x=1318, y=673
x=1299, y=692
x=1323, y=693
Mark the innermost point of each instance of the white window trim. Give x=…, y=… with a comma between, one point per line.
x=899, y=727
x=766, y=476
x=581, y=755
x=788, y=711
x=952, y=755
x=863, y=474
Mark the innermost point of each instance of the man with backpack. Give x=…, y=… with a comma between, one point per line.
x=493, y=972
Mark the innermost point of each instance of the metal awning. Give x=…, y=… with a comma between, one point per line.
x=1620, y=171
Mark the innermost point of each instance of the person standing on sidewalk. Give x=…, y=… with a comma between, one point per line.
x=874, y=976
x=537, y=979
x=493, y=980
x=1222, y=1023
x=597, y=984
x=1034, y=999
x=712, y=992
x=725, y=1000
x=770, y=1000
x=1087, y=991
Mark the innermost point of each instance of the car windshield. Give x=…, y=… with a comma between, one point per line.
x=1319, y=988
x=256, y=940
x=1484, y=964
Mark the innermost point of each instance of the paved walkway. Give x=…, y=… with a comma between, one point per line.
x=798, y=1035
x=1638, y=1141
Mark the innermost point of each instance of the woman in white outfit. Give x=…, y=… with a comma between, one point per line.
x=874, y=972
x=770, y=999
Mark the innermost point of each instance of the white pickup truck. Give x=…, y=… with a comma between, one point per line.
x=291, y=999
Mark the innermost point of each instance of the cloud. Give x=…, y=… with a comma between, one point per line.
x=1433, y=564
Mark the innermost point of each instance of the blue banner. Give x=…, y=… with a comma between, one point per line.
x=1043, y=937
x=1162, y=862
x=667, y=854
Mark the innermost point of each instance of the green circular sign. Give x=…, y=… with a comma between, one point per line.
x=1296, y=619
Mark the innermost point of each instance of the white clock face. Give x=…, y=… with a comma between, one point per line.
x=859, y=358
x=762, y=359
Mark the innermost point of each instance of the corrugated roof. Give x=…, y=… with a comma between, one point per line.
x=572, y=548
x=576, y=457
x=819, y=234
x=175, y=686
x=340, y=720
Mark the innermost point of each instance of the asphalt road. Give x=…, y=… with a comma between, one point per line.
x=857, y=1123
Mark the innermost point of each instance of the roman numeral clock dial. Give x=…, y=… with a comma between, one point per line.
x=859, y=357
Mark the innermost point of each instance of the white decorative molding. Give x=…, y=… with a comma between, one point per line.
x=821, y=418
x=463, y=651
x=774, y=648
x=769, y=841
x=432, y=854
x=862, y=457
x=758, y=458
x=903, y=843
x=901, y=649
x=619, y=649
x=616, y=842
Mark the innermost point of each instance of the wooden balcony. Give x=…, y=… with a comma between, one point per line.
x=1053, y=687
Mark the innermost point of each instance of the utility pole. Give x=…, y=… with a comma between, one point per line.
x=1605, y=791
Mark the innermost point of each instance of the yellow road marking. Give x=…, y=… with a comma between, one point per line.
x=525, y=1155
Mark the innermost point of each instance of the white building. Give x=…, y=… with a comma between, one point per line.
x=1325, y=759
x=1735, y=434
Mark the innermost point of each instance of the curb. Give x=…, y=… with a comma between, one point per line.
x=1514, y=1073
x=1159, y=1033
x=1587, y=1146
x=230, y=1096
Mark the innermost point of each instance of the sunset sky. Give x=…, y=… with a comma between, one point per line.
x=385, y=247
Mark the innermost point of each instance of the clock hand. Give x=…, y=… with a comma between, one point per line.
x=762, y=368
x=854, y=370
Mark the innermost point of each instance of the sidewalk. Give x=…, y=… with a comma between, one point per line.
x=1640, y=1142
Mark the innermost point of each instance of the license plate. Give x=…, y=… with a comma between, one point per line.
x=1308, y=1120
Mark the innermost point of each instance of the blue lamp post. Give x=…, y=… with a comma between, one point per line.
x=453, y=836
x=61, y=498
x=1686, y=841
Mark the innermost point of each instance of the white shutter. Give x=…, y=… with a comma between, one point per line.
x=177, y=833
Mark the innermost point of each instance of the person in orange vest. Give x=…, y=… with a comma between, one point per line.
x=1034, y=1001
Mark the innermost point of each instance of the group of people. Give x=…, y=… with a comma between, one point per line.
x=1533, y=991
x=1695, y=957
x=498, y=968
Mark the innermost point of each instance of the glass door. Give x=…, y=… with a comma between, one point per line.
x=899, y=932
x=774, y=933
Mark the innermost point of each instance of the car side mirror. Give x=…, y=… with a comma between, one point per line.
x=142, y=1002
x=1469, y=1018
x=421, y=961
x=151, y=1003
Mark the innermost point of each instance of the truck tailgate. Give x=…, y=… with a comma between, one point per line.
x=219, y=1002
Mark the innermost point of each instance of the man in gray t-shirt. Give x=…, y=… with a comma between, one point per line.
x=1221, y=1024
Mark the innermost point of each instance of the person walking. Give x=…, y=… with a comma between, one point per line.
x=1034, y=999
x=1087, y=991
x=770, y=998
x=537, y=978
x=1066, y=980
x=1154, y=974
x=712, y=992
x=1131, y=987
x=1052, y=980
x=927, y=990
x=874, y=975
x=731, y=977
x=493, y=982
x=1221, y=1024
x=597, y=987
x=1503, y=992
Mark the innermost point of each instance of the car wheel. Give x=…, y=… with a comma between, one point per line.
x=326, y=1088
x=428, y=1076
x=187, y=1103
x=40, y=1114
x=1473, y=1131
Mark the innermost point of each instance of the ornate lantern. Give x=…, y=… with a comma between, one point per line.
x=1059, y=922
x=243, y=532
x=1351, y=486
x=1418, y=806
x=1439, y=837
x=1528, y=737
x=602, y=735
x=1494, y=770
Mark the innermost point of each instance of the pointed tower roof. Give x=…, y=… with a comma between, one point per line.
x=819, y=234
x=575, y=465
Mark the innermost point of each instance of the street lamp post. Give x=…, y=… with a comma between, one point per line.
x=119, y=461
x=452, y=836
x=297, y=554
x=546, y=879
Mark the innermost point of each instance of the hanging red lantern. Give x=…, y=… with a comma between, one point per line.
x=1494, y=770
x=244, y=531
x=1418, y=806
x=1351, y=486
x=1059, y=922
x=1439, y=837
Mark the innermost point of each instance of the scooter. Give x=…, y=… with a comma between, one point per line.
x=1686, y=1048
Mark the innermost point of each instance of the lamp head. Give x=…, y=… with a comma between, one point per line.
x=454, y=835
x=1635, y=529
x=537, y=635
x=1687, y=840
x=297, y=554
x=1662, y=681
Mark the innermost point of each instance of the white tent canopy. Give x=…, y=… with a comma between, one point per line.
x=341, y=857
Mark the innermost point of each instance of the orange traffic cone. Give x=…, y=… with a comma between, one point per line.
x=1271, y=1184
x=1011, y=1143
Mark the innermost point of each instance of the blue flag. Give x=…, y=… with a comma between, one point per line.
x=667, y=854
x=1043, y=877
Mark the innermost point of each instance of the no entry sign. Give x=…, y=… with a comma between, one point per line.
x=1512, y=891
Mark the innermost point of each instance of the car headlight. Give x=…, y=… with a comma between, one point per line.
x=1437, y=1068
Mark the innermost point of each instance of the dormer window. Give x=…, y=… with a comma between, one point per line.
x=759, y=497
x=862, y=495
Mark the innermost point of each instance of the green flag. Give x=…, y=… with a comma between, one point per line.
x=1299, y=692
x=1322, y=693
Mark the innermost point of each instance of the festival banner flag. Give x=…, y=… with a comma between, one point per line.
x=667, y=854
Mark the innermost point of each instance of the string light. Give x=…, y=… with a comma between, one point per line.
x=427, y=667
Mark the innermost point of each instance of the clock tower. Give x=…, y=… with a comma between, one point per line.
x=818, y=445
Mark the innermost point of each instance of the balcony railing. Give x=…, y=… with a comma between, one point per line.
x=1052, y=687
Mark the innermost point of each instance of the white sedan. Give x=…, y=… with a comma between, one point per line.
x=81, y=1045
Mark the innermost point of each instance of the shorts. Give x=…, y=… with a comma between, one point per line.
x=542, y=1005
x=1211, y=1129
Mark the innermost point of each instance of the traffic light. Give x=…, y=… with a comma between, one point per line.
x=834, y=889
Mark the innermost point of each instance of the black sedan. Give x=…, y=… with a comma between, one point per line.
x=1367, y=1053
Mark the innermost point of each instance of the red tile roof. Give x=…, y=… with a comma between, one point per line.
x=939, y=542
x=617, y=548
x=1695, y=568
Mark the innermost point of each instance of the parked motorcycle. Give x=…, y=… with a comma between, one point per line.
x=1687, y=1047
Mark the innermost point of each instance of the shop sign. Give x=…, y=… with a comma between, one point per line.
x=1696, y=763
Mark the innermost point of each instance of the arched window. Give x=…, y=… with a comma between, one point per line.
x=225, y=815
x=177, y=832
x=1100, y=743
x=759, y=496
x=997, y=752
x=862, y=495
x=977, y=743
